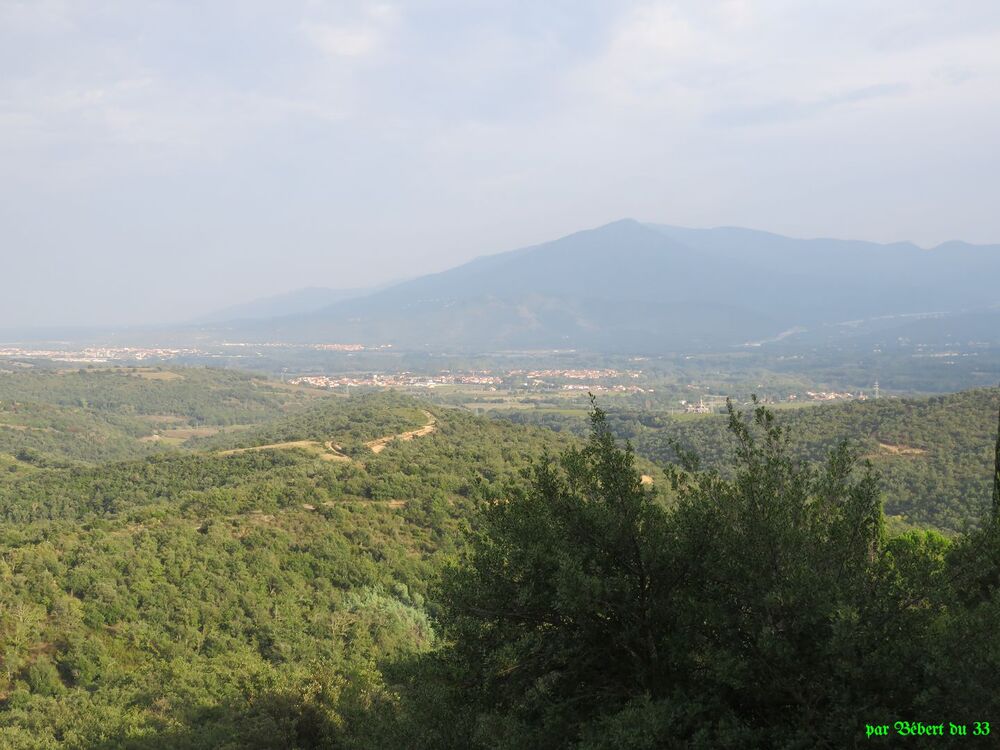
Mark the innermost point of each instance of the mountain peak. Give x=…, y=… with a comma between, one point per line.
x=619, y=225
x=620, y=230
x=626, y=286
x=627, y=221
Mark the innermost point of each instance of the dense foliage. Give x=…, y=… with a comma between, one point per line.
x=53, y=417
x=933, y=455
x=195, y=599
x=767, y=609
x=484, y=584
x=46, y=434
x=203, y=395
x=348, y=422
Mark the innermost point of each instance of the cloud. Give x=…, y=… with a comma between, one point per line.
x=343, y=41
x=786, y=110
x=651, y=51
x=353, y=39
x=421, y=133
x=36, y=16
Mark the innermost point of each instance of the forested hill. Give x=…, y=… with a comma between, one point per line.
x=226, y=596
x=934, y=455
x=196, y=395
x=233, y=563
x=64, y=417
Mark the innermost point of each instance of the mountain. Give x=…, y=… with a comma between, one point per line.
x=297, y=302
x=632, y=287
x=859, y=287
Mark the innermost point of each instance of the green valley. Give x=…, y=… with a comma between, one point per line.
x=194, y=558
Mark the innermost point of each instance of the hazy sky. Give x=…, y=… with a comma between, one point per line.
x=161, y=159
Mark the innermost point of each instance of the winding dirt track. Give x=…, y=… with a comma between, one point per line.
x=330, y=451
x=324, y=452
x=901, y=450
x=377, y=446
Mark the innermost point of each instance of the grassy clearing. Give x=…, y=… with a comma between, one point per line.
x=176, y=436
x=161, y=418
x=324, y=452
x=901, y=450
x=157, y=375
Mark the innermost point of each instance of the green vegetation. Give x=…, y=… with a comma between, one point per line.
x=933, y=454
x=193, y=599
x=349, y=423
x=61, y=417
x=769, y=609
x=44, y=434
x=201, y=396
x=484, y=584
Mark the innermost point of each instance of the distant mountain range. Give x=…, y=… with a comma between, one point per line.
x=632, y=287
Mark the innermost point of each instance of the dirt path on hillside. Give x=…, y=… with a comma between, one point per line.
x=325, y=451
x=336, y=449
x=901, y=450
x=331, y=451
x=377, y=446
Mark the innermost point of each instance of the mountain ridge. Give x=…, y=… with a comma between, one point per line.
x=629, y=286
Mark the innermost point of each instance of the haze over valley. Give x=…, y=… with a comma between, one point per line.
x=636, y=288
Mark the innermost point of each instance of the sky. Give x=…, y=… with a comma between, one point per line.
x=159, y=160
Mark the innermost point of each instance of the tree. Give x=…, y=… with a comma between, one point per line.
x=996, y=474
x=558, y=614
x=761, y=610
x=791, y=606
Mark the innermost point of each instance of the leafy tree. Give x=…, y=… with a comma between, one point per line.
x=559, y=612
x=996, y=474
x=934, y=456
x=761, y=610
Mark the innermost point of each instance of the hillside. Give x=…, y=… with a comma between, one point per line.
x=200, y=395
x=934, y=455
x=631, y=287
x=200, y=598
x=271, y=578
x=99, y=415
